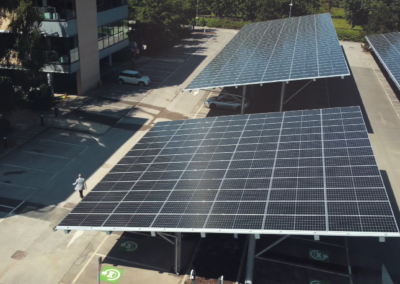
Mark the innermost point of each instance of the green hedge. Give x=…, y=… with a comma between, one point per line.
x=222, y=23
x=343, y=34
x=350, y=35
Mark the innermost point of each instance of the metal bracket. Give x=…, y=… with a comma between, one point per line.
x=165, y=238
x=203, y=235
x=381, y=239
x=67, y=231
x=316, y=238
x=153, y=234
x=108, y=232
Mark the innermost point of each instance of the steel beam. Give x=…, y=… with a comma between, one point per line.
x=271, y=245
x=243, y=99
x=178, y=253
x=250, y=259
x=282, y=96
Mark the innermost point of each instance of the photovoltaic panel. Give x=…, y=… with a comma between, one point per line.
x=387, y=49
x=288, y=49
x=253, y=177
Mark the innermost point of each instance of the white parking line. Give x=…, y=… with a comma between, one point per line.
x=90, y=259
x=18, y=185
x=7, y=206
x=45, y=155
x=27, y=168
x=63, y=143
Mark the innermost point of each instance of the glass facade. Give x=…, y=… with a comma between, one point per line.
x=103, y=5
x=56, y=10
x=62, y=50
x=112, y=33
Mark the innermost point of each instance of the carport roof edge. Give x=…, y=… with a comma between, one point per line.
x=276, y=51
x=231, y=231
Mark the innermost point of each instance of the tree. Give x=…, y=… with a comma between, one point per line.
x=383, y=18
x=160, y=22
x=357, y=11
x=278, y=9
x=22, y=50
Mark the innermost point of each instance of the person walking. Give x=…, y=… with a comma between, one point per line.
x=80, y=185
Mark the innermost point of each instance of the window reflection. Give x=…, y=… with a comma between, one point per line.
x=112, y=33
x=56, y=10
x=103, y=5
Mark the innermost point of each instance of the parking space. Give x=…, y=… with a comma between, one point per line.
x=28, y=169
x=159, y=71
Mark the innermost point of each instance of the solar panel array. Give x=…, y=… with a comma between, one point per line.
x=387, y=49
x=296, y=48
x=309, y=171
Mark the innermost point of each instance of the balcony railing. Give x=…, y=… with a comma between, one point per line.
x=52, y=14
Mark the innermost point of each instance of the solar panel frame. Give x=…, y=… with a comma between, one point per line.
x=225, y=193
x=296, y=48
x=387, y=48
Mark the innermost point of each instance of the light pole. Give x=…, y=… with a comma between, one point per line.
x=290, y=12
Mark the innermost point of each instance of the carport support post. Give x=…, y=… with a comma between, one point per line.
x=178, y=253
x=243, y=99
x=282, y=96
x=250, y=259
x=110, y=60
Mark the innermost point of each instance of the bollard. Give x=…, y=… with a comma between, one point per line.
x=56, y=111
x=41, y=120
x=5, y=143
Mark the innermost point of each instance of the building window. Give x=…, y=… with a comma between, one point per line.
x=56, y=10
x=62, y=50
x=103, y=5
x=112, y=33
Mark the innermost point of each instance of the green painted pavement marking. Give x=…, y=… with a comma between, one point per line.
x=111, y=274
x=318, y=255
x=315, y=281
x=127, y=245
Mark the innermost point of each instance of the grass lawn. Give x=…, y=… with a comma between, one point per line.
x=337, y=12
x=343, y=24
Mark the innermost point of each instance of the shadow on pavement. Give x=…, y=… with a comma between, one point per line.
x=151, y=253
x=344, y=92
x=395, y=89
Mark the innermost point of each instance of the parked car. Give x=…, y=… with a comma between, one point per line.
x=133, y=77
x=228, y=102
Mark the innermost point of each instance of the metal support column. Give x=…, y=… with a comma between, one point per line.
x=243, y=99
x=178, y=253
x=250, y=259
x=282, y=96
x=110, y=60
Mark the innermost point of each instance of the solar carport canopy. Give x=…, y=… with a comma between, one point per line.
x=275, y=51
x=300, y=172
x=387, y=49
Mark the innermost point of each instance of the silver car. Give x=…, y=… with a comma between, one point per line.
x=228, y=102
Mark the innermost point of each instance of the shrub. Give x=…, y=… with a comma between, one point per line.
x=349, y=35
x=41, y=99
x=222, y=23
